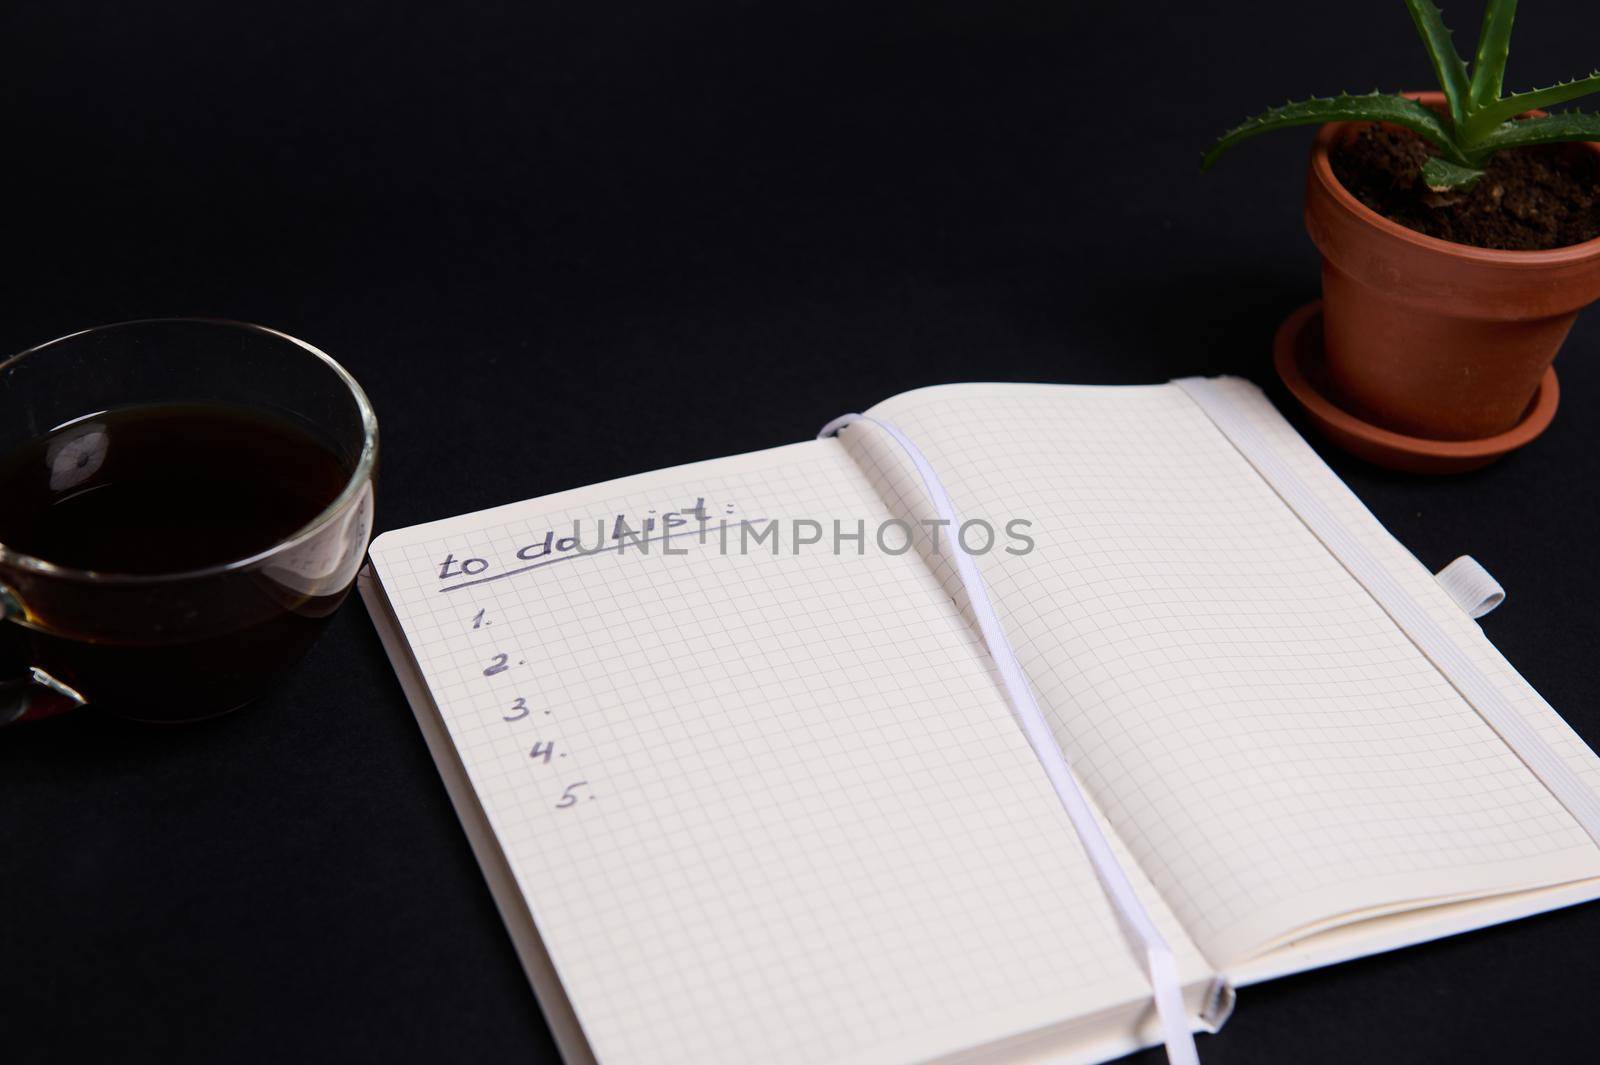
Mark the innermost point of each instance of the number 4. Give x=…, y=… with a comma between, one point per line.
x=542, y=750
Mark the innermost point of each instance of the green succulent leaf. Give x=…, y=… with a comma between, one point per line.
x=1369, y=107
x=1441, y=175
x=1498, y=111
x=1494, y=45
x=1447, y=64
x=1551, y=129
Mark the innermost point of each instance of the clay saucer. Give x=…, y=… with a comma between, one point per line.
x=1297, y=356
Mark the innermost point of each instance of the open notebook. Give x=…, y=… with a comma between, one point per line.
x=773, y=805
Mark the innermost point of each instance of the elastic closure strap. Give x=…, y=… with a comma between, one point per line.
x=1471, y=586
x=1413, y=619
x=1160, y=962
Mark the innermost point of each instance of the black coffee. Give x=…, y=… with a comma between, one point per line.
x=164, y=488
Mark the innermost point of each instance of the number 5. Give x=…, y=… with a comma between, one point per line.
x=568, y=798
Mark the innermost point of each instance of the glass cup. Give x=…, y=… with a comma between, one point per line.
x=198, y=642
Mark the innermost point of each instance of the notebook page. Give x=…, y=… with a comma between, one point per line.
x=763, y=807
x=1272, y=748
x=1418, y=581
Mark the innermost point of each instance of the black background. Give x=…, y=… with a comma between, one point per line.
x=562, y=243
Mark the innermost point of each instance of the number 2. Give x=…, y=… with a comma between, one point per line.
x=497, y=666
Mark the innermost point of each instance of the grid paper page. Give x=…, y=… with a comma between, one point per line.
x=764, y=808
x=1418, y=581
x=1268, y=743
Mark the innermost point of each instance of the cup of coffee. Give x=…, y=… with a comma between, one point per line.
x=183, y=504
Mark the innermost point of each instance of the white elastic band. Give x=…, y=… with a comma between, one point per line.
x=1413, y=620
x=1471, y=586
x=1159, y=960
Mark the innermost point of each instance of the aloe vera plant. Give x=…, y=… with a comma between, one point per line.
x=1479, y=121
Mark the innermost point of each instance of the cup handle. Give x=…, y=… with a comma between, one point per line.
x=34, y=694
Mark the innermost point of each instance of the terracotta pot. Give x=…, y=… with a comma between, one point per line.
x=1427, y=337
